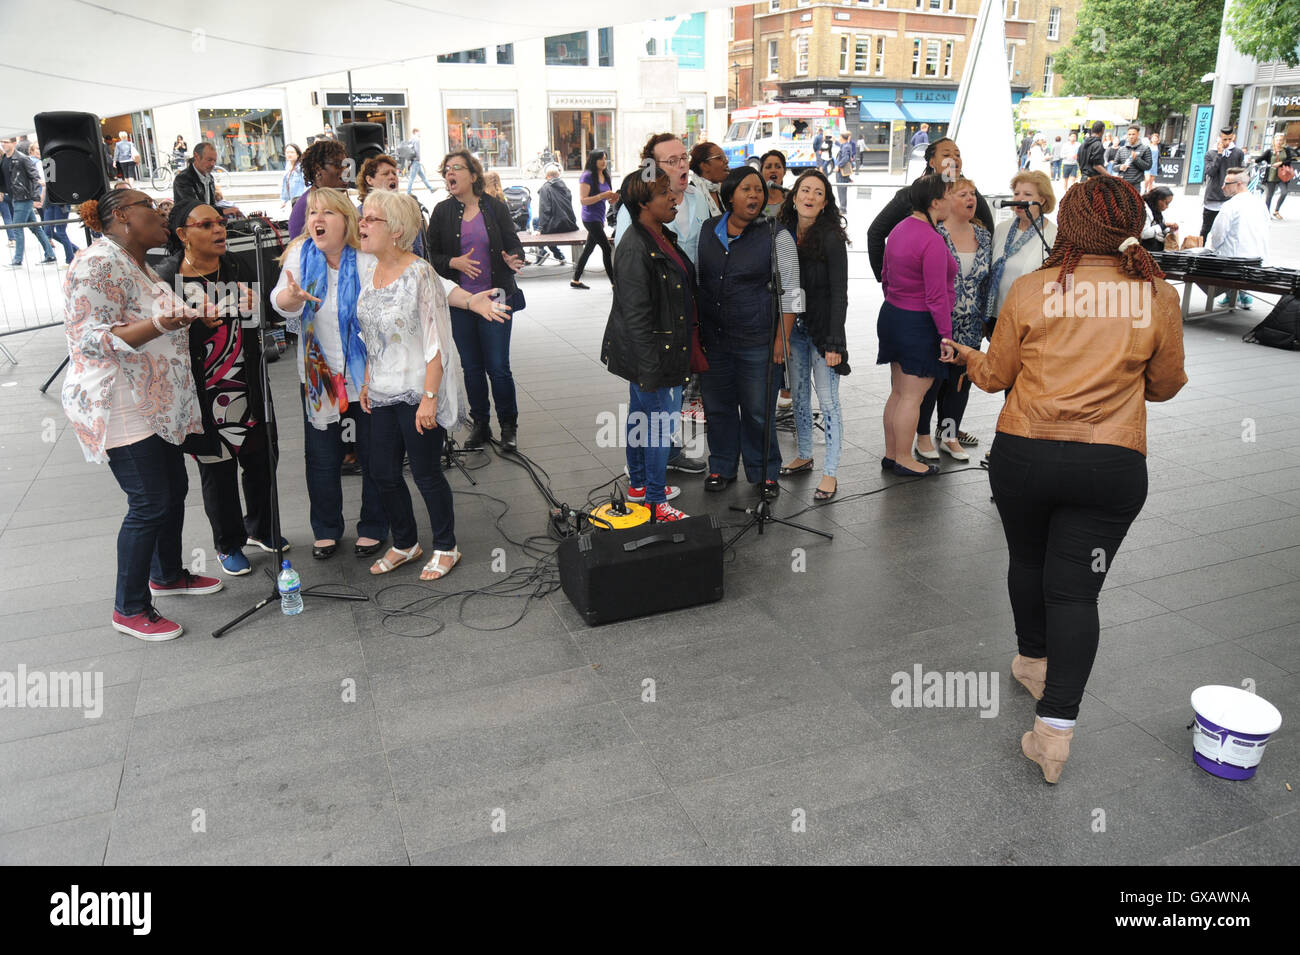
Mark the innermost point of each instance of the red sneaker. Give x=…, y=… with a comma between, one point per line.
x=186, y=585
x=637, y=494
x=663, y=511
x=694, y=411
x=149, y=625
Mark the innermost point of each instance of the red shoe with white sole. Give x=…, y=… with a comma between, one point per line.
x=664, y=512
x=150, y=625
x=637, y=494
x=186, y=585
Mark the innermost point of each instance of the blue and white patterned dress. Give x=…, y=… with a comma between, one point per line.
x=972, y=288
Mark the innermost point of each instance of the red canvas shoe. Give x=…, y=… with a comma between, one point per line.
x=150, y=625
x=637, y=494
x=663, y=512
x=186, y=585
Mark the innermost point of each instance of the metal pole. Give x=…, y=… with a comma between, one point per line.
x=352, y=105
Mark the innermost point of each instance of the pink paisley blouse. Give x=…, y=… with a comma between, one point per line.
x=105, y=288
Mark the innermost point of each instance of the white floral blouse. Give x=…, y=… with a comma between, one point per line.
x=105, y=288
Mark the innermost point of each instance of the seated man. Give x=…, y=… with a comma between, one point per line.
x=1240, y=229
x=555, y=204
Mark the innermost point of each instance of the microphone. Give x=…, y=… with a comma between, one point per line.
x=1014, y=204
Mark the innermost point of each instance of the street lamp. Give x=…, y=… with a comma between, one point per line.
x=735, y=66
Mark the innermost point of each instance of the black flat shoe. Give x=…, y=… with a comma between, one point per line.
x=908, y=472
x=578, y=285
x=716, y=482
x=886, y=464
x=324, y=553
x=367, y=550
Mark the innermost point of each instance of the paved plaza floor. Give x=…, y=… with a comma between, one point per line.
x=772, y=736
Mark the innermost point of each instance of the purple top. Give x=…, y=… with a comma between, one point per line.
x=920, y=273
x=596, y=211
x=298, y=217
x=474, y=242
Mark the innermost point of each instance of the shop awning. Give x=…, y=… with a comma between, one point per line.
x=129, y=55
x=879, y=112
x=928, y=112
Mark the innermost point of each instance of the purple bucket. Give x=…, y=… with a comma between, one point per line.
x=1231, y=730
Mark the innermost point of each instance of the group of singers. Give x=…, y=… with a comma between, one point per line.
x=154, y=375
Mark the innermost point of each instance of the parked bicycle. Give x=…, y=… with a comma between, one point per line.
x=537, y=164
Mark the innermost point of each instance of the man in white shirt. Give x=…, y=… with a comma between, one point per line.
x=1240, y=229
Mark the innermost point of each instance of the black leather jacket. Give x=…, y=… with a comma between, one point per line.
x=188, y=185
x=648, y=335
x=24, y=178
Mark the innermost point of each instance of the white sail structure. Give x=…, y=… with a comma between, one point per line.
x=982, y=122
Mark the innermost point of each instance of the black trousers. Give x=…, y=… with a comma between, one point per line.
x=952, y=405
x=595, y=236
x=1066, y=508
x=392, y=433
x=231, y=527
x=1207, y=221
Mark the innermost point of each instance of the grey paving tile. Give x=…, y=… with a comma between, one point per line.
x=1271, y=842
x=28, y=803
x=1280, y=647
x=28, y=722
x=92, y=743
x=1250, y=613
x=1204, y=585
x=646, y=830
x=77, y=842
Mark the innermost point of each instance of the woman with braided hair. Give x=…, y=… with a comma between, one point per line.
x=1086, y=340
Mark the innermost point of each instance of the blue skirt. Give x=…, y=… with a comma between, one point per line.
x=909, y=338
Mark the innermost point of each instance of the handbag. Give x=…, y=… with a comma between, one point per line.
x=1285, y=173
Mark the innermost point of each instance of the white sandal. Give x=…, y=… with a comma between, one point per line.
x=432, y=566
x=384, y=566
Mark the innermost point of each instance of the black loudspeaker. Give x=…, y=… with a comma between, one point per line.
x=362, y=141
x=612, y=575
x=72, y=152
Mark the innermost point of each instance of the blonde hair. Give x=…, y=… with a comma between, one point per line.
x=492, y=185
x=1041, y=183
x=403, y=215
x=961, y=182
x=335, y=200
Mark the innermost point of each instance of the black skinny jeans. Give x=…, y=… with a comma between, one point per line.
x=595, y=236
x=1065, y=509
x=951, y=402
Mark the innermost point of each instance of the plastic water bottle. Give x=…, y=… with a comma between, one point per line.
x=290, y=590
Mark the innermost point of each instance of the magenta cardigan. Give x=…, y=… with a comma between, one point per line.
x=920, y=273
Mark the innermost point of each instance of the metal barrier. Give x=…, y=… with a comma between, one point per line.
x=31, y=294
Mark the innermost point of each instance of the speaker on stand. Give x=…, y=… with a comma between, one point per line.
x=362, y=141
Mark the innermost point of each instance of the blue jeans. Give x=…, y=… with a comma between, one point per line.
x=734, y=406
x=650, y=417
x=485, y=355
x=7, y=213
x=58, y=233
x=152, y=473
x=416, y=170
x=324, y=451
x=805, y=363
x=25, y=211
x=392, y=431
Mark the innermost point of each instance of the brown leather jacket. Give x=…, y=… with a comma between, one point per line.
x=1083, y=360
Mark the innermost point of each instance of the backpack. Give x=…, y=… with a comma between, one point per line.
x=1281, y=329
x=405, y=152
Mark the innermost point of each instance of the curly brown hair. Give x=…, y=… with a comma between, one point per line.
x=1096, y=216
x=368, y=170
x=320, y=154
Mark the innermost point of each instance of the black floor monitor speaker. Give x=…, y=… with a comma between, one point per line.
x=72, y=153
x=362, y=141
x=613, y=575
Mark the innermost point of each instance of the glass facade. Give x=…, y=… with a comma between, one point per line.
x=568, y=49
x=487, y=133
x=246, y=140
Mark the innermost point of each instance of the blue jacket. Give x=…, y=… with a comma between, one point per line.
x=734, y=302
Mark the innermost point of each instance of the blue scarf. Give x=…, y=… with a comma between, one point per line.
x=314, y=272
x=1015, y=242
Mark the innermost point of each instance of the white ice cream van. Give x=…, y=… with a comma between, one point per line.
x=789, y=127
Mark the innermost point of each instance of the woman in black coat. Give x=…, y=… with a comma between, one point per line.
x=650, y=337
x=943, y=158
x=472, y=241
x=226, y=359
x=817, y=343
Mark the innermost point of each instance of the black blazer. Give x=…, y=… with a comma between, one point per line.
x=898, y=209
x=188, y=185
x=824, y=277
x=648, y=335
x=443, y=239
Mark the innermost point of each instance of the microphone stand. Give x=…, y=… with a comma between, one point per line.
x=1033, y=221
x=761, y=513
x=272, y=460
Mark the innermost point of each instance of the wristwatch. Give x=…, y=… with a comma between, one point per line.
x=430, y=394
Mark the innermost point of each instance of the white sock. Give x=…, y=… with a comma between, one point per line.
x=1058, y=723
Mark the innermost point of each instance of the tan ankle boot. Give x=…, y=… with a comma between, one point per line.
x=1049, y=747
x=1031, y=673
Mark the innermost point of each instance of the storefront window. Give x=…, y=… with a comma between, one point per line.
x=605, y=44
x=247, y=140
x=465, y=56
x=575, y=133
x=393, y=121
x=570, y=49
x=506, y=54
x=487, y=133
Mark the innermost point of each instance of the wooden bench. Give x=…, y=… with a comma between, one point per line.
x=574, y=240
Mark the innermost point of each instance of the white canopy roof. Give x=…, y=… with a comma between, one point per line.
x=116, y=56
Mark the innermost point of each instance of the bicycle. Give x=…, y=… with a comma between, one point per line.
x=160, y=177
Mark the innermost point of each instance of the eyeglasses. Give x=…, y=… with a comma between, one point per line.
x=205, y=224
x=675, y=161
x=457, y=167
x=371, y=220
x=143, y=202
x=715, y=158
